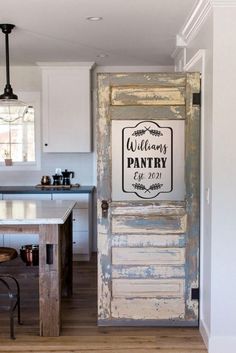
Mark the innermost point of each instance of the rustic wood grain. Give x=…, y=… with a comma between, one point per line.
x=14, y=229
x=148, y=256
x=49, y=281
x=147, y=288
x=66, y=256
x=160, y=79
x=148, y=309
x=174, y=112
x=103, y=193
x=192, y=180
x=148, y=271
x=148, y=240
x=141, y=95
x=149, y=224
x=153, y=208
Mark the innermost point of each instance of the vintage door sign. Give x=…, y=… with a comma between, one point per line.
x=147, y=168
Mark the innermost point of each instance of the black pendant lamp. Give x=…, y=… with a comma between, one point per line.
x=11, y=108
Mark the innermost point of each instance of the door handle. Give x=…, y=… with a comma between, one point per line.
x=104, y=206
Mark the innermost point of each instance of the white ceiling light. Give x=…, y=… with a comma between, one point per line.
x=11, y=108
x=94, y=18
x=102, y=55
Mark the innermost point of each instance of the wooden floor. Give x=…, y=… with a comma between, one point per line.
x=80, y=333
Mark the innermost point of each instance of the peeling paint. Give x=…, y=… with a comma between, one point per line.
x=136, y=95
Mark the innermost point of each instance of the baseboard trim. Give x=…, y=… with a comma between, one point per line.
x=204, y=332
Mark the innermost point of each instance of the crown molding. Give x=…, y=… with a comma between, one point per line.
x=223, y=3
x=193, y=23
x=64, y=64
x=196, y=18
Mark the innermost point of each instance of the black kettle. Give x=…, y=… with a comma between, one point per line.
x=66, y=177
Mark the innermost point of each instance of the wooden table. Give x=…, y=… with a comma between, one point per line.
x=52, y=220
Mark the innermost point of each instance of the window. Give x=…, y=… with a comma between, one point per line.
x=19, y=140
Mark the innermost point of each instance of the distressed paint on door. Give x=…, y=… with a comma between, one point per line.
x=148, y=251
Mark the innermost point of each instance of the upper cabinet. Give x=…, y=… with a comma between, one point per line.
x=66, y=107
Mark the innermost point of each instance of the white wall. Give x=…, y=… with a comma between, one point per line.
x=218, y=300
x=223, y=303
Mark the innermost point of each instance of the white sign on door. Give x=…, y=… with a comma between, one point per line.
x=147, y=160
x=147, y=166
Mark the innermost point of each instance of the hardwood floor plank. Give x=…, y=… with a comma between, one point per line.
x=80, y=333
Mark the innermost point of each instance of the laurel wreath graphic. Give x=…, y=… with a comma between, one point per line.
x=153, y=132
x=139, y=186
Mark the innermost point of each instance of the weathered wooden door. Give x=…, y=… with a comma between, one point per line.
x=148, y=198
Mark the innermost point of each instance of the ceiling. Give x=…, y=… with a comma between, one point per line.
x=132, y=32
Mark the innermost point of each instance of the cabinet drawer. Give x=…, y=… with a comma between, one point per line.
x=80, y=243
x=80, y=219
x=26, y=196
x=82, y=199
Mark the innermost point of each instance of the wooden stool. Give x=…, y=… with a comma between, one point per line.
x=7, y=254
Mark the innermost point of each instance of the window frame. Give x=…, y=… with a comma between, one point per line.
x=31, y=98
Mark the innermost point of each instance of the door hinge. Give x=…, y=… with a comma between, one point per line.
x=195, y=294
x=197, y=99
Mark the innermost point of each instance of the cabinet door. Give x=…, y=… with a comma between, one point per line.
x=82, y=234
x=66, y=112
x=80, y=219
x=80, y=243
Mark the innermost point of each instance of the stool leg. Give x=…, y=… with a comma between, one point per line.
x=18, y=297
x=12, y=332
x=14, y=302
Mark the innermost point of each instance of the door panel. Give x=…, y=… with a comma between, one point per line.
x=148, y=256
x=141, y=95
x=148, y=243
x=147, y=310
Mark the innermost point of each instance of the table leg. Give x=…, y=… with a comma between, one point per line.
x=66, y=257
x=49, y=280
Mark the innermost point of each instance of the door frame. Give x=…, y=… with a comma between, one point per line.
x=197, y=63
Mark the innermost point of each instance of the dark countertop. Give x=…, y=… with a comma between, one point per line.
x=83, y=189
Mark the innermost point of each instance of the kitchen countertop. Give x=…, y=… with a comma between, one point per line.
x=34, y=212
x=83, y=189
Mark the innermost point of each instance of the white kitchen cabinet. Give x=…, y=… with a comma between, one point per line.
x=17, y=240
x=66, y=107
x=82, y=227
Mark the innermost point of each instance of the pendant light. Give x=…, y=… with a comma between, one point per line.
x=11, y=108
